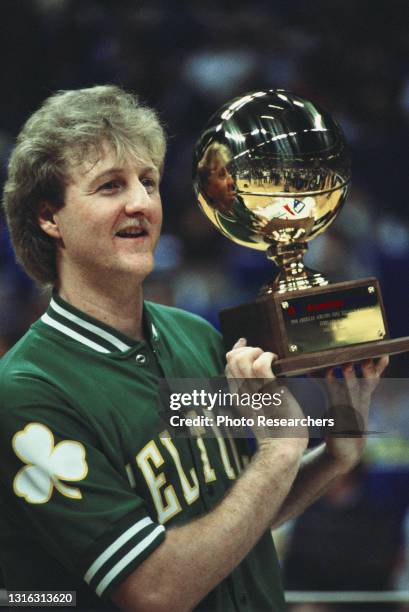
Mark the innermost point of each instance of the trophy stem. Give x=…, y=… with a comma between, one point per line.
x=294, y=274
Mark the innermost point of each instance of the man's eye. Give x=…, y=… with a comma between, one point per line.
x=110, y=186
x=148, y=183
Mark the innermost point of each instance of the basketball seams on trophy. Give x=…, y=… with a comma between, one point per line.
x=271, y=172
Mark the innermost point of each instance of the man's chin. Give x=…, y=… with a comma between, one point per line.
x=141, y=268
x=129, y=269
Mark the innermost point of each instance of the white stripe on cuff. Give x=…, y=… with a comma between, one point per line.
x=112, y=548
x=132, y=554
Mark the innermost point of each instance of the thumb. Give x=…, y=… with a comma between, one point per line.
x=240, y=343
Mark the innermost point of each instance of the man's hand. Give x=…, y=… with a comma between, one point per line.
x=349, y=399
x=349, y=404
x=248, y=368
x=249, y=371
x=249, y=362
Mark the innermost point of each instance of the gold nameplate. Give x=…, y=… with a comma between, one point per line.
x=333, y=318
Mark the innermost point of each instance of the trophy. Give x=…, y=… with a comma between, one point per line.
x=272, y=172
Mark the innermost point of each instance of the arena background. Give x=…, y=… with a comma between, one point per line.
x=186, y=59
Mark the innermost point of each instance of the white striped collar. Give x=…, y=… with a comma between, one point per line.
x=88, y=331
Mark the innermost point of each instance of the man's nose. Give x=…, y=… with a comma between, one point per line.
x=230, y=180
x=137, y=199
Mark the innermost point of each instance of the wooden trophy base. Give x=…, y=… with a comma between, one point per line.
x=316, y=328
x=302, y=364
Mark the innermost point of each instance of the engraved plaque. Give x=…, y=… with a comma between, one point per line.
x=333, y=319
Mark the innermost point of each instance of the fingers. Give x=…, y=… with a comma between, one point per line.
x=348, y=371
x=374, y=369
x=370, y=369
x=230, y=365
x=382, y=364
x=240, y=343
x=352, y=383
x=262, y=365
x=355, y=389
x=240, y=361
x=249, y=362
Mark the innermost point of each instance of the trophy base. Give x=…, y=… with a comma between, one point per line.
x=304, y=364
x=315, y=328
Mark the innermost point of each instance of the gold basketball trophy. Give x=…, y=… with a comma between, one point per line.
x=272, y=172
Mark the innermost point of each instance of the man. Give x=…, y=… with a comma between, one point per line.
x=93, y=498
x=230, y=213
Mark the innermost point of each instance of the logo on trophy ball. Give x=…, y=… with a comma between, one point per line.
x=271, y=171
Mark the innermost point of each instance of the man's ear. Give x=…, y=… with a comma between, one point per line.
x=47, y=220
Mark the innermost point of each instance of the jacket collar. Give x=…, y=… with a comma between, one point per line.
x=79, y=326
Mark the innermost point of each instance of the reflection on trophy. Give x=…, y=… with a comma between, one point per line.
x=271, y=172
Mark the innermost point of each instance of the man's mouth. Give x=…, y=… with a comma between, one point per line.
x=132, y=232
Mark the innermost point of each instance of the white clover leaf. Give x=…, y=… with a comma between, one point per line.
x=47, y=464
x=33, y=484
x=34, y=444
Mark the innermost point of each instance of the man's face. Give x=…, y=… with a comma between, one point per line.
x=111, y=218
x=220, y=186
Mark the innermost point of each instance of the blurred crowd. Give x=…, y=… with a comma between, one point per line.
x=188, y=58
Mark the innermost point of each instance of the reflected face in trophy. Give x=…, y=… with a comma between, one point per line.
x=216, y=181
x=221, y=187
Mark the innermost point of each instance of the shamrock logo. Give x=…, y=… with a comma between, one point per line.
x=47, y=464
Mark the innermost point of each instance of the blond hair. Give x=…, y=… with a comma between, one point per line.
x=69, y=128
